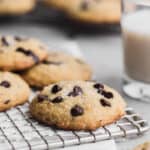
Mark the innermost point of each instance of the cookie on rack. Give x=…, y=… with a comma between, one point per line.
x=78, y=105
x=57, y=67
x=16, y=7
x=13, y=90
x=18, y=53
x=144, y=146
x=90, y=11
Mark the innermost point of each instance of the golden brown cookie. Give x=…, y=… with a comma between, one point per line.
x=18, y=53
x=16, y=7
x=90, y=11
x=57, y=67
x=78, y=105
x=13, y=90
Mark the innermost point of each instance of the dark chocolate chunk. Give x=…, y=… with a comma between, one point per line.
x=28, y=53
x=4, y=41
x=105, y=103
x=77, y=111
x=107, y=94
x=85, y=5
x=5, y=84
x=7, y=101
x=41, y=98
x=58, y=99
x=55, y=89
x=98, y=86
x=47, y=62
x=76, y=91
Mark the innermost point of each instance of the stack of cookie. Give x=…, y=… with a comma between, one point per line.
x=17, y=54
x=90, y=11
x=67, y=100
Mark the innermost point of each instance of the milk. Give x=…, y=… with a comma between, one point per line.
x=136, y=42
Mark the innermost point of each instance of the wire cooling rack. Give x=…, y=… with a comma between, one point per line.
x=19, y=131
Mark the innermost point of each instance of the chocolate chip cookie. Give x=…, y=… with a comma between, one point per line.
x=145, y=146
x=13, y=90
x=78, y=105
x=16, y=7
x=90, y=11
x=58, y=66
x=18, y=53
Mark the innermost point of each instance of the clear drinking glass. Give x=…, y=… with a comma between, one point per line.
x=135, y=24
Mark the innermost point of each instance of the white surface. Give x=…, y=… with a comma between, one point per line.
x=103, y=52
x=69, y=46
x=104, y=145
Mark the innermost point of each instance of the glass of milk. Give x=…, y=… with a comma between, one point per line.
x=135, y=25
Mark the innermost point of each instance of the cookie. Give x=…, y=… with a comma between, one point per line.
x=77, y=105
x=145, y=146
x=18, y=53
x=90, y=11
x=60, y=4
x=13, y=90
x=16, y=7
x=57, y=67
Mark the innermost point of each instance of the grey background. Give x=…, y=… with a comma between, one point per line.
x=101, y=47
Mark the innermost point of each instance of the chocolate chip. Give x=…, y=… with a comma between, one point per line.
x=28, y=53
x=85, y=5
x=107, y=94
x=105, y=103
x=76, y=91
x=77, y=111
x=7, y=101
x=56, y=89
x=98, y=86
x=47, y=62
x=5, y=84
x=41, y=98
x=58, y=99
x=4, y=41
x=19, y=39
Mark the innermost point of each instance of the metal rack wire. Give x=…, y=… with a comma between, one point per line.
x=18, y=130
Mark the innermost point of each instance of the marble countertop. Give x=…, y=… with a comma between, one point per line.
x=102, y=50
